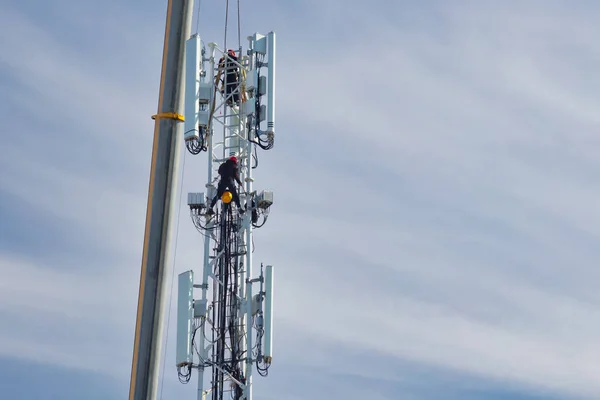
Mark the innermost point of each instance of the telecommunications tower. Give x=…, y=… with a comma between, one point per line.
x=224, y=99
x=229, y=331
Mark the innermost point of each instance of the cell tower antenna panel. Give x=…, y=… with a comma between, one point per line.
x=231, y=331
x=271, y=65
x=193, y=59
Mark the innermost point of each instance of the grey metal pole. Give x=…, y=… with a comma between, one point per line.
x=162, y=203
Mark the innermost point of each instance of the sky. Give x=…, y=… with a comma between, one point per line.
x=436, y=212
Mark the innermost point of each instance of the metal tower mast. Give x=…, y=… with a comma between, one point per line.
x=227, y=327
x=161, y=205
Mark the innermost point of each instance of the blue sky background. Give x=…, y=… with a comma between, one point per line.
x=436, y=222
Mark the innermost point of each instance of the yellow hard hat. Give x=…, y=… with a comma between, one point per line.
x=227, y=197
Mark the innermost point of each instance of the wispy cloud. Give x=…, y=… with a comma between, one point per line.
x=434, y=181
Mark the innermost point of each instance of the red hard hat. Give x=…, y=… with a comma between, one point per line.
x=233, y=158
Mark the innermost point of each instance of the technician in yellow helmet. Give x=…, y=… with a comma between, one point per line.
x=229, y=173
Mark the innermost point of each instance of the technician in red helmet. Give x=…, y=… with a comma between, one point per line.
x=229, y=172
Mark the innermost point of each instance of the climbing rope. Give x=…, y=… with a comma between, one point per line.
x=198, y=17
x=226, y=22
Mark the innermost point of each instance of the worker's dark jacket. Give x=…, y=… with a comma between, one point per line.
x=230, y=68
x=229, y=171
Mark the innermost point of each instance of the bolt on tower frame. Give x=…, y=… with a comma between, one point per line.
x=225, y=325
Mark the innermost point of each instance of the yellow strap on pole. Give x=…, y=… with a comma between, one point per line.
x=170, y=115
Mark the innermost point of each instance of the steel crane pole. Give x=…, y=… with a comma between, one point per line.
x=162, y=203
